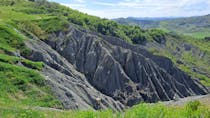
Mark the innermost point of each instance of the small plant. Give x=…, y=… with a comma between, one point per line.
x=193, y=105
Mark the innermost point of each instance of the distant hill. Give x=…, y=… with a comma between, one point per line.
x=153, y=18
x=143, y=23
x=198, y=26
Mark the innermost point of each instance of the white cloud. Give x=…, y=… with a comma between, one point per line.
x=146, y=3
x=74, y=6
x=80, y=1
x=143, y=8
x=104, y=3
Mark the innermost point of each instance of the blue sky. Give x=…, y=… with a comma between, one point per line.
x=139, y=8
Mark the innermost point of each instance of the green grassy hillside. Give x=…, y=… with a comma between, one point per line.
x=20, y=81
x=198, y=27
x=39, y=18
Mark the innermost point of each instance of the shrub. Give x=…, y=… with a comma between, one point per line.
x=193, y=105
x=158, y=35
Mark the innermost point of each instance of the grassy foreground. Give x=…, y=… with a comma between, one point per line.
x=190, y=110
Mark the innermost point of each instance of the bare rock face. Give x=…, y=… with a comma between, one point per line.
x=84, y=68
x=70, y=86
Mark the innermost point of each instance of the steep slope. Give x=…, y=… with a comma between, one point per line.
x=20, y=81
x=69, y=85
x=126, y=73
x=189, y=54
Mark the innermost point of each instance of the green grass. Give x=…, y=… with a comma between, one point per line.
x=20, y=86
x=190, y=110
x=24, y=85
x=8, y=59
x=14, y=60
x=48, y=25
x=8, y=14
x=199, y=34
x=10, y=38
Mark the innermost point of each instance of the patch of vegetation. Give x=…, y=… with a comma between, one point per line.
x=9, y=59
x=190, y=110
x=24, y=85
x=20, y=113
x=158, y=35
x=32, y=65
x=20, y=82
x=31, y=28
x=48, y=25
x=10, y=39
x=41, y=16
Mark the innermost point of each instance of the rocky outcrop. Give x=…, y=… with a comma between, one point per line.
x=69, y=85
x=84, y=68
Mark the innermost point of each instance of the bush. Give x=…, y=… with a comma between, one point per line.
x=158, y=35
x=31, y=27
x=48, y=25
